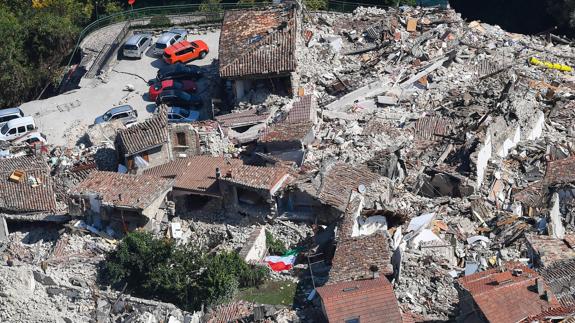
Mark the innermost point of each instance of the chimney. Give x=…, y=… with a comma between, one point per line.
x=540, y=287
x=374, y=271
x=218, y=172
x=517, y=272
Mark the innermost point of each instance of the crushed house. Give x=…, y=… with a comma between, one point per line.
x=196, y=138
x=505, y=295
x=560, y=277
x=253, y=189
x=27, y=189
x=326, y=194
x=257, y=49
x=122, y=201
x=145, y=144
x=545, y=250
x=244, y=126
x=196, y=180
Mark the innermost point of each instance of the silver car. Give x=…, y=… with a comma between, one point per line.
x=136, y=45
x=169, y=38
x=10, y=114
x=124, y=112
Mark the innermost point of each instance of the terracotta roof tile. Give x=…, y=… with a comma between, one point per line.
x=124, y=190
x=503, y=297
x=355, y=256
x=144, y=135
x=22, y=197
x=340, y=180
x=561, y=280
x=552, y=315
x=303, y=110
x=195, y=174
x=258, y=177
x=243, y=118
x=560, y=171
x=548, y=249
x=258, y=41
x=286, y=132
x=370, y=300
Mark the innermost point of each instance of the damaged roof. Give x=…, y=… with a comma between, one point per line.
x=124, y=190
x=549, y=249
x=337, y=183
x=560, y=277
x=22, y=196
x=370, y=300
x=506, y=297
x=258, y=177
x=258, y=42
x=144, y=135
x=357, y=257
x=560, y=171
x=196, y=174
x=303, y=110
x=243, y=118
x=283, y=132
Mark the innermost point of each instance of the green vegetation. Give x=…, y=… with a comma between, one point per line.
x=159, y=21
x=181, y=275
x=274, y=293
x=275, y=246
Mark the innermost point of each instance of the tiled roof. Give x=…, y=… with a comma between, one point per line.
x=257, y=177
x=370, y=300
x=286, y=132
x=231, y=312
x=340, y=180
x=560, y=171
x=258, y=41
x=549, y=249
x=431, y=127
x=195, y=174
x=504, y=297
x=303, y=110
x=531, y=195
x=356, y=256
x=22, y=197
x=243, y=118
x=145, y=135
x=561, y=280
x=553, y=314
x=124, y=190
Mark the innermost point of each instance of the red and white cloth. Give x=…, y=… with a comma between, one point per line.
x=280, y=263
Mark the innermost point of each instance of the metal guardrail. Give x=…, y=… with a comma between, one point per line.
x=215, y=10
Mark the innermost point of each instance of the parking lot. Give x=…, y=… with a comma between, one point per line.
x=64, y=118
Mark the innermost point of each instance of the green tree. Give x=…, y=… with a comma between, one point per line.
x=211, y=6
x=316, y=4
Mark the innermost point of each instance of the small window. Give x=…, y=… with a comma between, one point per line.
x=142, y=41
x=12, y=131
x=29, y=127
x=21, y=129
x=120, y=115
x=181, y=139
x=352, y=320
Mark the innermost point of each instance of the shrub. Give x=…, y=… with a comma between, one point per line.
x=159, y=21
x=275, y=246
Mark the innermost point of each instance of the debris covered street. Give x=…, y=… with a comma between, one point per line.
x=416, y=167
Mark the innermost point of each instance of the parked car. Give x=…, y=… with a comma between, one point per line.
x=124, y=112
x=169, y=38
x=185, y=51
x=179, y=71
x=10, y=114
x=180, y=99
x=137, y=45
x=16, y=128
x=184, y=85
x=178, y=115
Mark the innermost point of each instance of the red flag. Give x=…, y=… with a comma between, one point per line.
x=131, y=2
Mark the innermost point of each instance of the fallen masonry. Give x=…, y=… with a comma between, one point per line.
x=401, y=165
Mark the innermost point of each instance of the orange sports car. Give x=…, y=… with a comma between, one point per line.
x=185, y=51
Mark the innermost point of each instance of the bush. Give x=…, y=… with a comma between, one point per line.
x=275, y=247
x=159, y=21
x=181, y=275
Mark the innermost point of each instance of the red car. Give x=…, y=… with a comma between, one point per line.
x=185, y=51
x=183, y=85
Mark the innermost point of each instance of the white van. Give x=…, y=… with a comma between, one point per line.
x=9, y=114
x=16, y=128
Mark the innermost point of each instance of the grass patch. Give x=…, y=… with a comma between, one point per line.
x=270, y=292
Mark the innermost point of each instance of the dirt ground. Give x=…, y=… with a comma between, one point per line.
x=64, y=118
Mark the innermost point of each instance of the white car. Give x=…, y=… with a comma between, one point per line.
x=16, y=128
